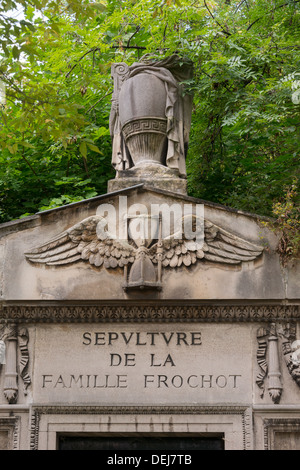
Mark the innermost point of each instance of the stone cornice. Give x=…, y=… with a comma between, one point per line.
x=148, y=313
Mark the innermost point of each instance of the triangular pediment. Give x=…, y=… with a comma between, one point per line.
x=59, y=254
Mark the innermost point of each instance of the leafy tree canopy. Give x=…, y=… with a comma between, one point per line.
x=55, y=59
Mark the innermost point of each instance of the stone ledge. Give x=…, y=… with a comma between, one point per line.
x=177, y=186
x=156, y=176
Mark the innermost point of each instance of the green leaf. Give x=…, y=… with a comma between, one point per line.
x=26, y=144
x=15, y=52
x=83, y=149
x=94, y=148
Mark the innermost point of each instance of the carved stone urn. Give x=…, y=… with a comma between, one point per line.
x=142, y=119
x=149, y=123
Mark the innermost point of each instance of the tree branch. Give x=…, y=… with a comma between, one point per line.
x=16, y=88
x=128, y=47
x=164, y=35
x=94, y=49
x=102, y=97
x=240, y=4
x=85, y=166
x=271, y=11
x=3, y=116
x=224, y=30
x=136, y=31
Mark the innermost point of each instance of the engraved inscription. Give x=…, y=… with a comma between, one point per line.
x=142, y=364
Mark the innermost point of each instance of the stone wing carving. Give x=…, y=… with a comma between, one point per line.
x=82, y=243
x=218, y=246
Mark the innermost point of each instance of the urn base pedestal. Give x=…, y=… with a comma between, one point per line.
x=155, y=175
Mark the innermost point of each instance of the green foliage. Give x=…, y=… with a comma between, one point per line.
x=287, y=224
x=55, y=61
x=245, y=137
x=54, y=138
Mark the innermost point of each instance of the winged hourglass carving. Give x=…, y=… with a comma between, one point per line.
x=85, y=242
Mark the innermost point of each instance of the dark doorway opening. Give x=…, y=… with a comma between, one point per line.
x=141, y=442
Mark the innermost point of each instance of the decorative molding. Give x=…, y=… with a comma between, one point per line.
x=16, y=434
x=39, y=410
x=247, y=429
x=149, y=124
x=34, y=430
x=140, y=410
x=273, y=425
x=134, y=313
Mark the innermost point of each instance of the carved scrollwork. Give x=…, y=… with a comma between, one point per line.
x=24, y=357
x=119, y=72
x=261, y=359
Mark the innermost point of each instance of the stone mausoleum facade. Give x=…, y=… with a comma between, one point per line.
x=145, y=313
